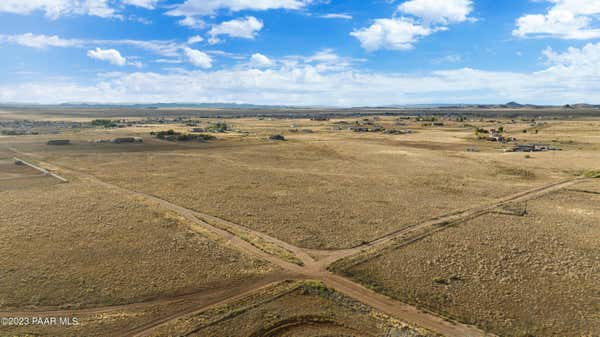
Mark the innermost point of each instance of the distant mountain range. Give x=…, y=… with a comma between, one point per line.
x=509, y=105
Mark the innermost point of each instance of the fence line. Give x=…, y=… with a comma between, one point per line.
x=43, y=170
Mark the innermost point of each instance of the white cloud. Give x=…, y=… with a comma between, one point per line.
x=39, y=41
x=394, y=34
x=260, y=60
x=427, y=17
x=566, y=19
x=169, y=61
x=584, y=62
x=323, y=61
x=246, y=28
x=572, y=76
x=195, y=39
x=148, y=4
x=192, y=22
x=109, y=55
x=198, y=58
x=53, y=9
x=161, y=47
x=337, y=16
x=444, y=12
x=210, y=7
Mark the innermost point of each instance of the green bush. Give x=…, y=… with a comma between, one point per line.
x=107, y=123
x=591, y=174
x=172, y=135
x=217, y=127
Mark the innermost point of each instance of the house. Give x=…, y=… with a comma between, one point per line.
x=59, y=142
x=127, y=140
x=534, y=148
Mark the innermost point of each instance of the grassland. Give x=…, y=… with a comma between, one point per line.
x=535, y=275
x=80, y=245
x=134, y=261
x=326, y=190
x=292, y=309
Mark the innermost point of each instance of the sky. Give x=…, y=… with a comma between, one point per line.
x=300, y=52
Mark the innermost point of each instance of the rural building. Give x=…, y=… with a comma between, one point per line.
x=127, y=140
x=59, y=142
x=277, y=137
x=534, y=148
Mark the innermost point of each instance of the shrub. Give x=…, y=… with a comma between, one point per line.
x=172, y=136
x=591, y=174
x=217, y=127
x=440, y=280
x=165, y=134
x=107, y=123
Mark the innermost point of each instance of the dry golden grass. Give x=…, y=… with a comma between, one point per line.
x=81, y=244
x=330, y=189
x=536, y=275
x=292, y=309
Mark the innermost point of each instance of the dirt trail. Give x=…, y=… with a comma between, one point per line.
x=299, y=252
x=200, y=298
x=400, y=310
x=327, y=257
x=231, y=296
x=316, y=268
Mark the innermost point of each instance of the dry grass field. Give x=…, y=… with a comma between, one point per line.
x=536, y=275
x=299, y=309
x=131, y=246
x=325, y=190
x=80, y=244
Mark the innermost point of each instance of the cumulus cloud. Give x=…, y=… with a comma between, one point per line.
x=299, y=86
x=198, y=58
x=571, y=76
x=192, y=22
x=54, y=9
x=210, y=7
x=583, y=62
x=245, y=28
x=565, y=19
x=444, y=12
x=394, y=34
x=195, y=39
x=260, y=60
x=420, y=19
x=112, y=56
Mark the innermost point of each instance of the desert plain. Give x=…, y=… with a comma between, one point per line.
x=191, y=222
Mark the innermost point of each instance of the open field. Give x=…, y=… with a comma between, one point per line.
x=534, y=275
x=291, y=309
x=187, y=237
x=80, y=245
x=293, y=190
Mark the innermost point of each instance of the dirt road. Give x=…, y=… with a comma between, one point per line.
x=315, y=262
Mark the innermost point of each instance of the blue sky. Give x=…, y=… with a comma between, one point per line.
x=300, y=52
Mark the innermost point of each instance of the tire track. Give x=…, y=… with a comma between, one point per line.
x=316, y=269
